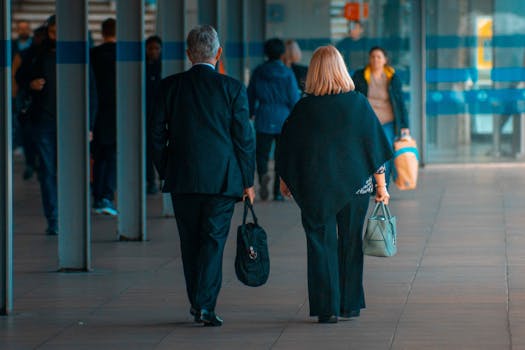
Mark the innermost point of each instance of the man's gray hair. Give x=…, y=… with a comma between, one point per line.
x=202, y=43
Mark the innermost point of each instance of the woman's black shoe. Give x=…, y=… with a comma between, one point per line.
x=351, y=314
x=327, y=319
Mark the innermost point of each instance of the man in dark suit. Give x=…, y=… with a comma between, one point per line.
x=204, y=149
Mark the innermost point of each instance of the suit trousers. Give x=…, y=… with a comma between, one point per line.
x=335, y=260
x=203, y=222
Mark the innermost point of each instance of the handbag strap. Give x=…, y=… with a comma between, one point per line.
x=252, y=252
x=248, y=205
x=384, y=208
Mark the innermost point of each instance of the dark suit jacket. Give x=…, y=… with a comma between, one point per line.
x=103, y=61
x=202, y=138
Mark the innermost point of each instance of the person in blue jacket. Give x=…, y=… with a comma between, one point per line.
x=272, y=93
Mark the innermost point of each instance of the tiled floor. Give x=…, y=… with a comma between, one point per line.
x=458, y=281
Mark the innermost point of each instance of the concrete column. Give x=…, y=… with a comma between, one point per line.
x=131, y=110
x=172, y=29
x=232, y=34
x=173, y=33
x=209, y=12
x=256, y=28
x=74, y=240
x=6, y=176
x=418, y=85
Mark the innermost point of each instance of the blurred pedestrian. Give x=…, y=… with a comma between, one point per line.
x=104, y=144
x=153, y=77
x=379, y=82
x=292, y=60
x=39, y=77
x=272, y=93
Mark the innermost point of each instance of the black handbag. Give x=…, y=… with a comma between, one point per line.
x=252, y=262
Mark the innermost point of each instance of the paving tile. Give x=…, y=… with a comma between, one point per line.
x=458, y=281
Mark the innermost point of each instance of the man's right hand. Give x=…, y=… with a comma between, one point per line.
x=285, y=191
x=250, y=193
x=37, y=84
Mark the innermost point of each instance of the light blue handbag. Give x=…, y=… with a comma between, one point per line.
x=381, y=234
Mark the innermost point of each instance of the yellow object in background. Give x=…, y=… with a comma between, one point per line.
x=485, y=35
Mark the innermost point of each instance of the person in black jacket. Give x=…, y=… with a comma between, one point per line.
x=104, y=145
x=42, y=83
x=153, y=76
x=37, y=74
x=379, y=82
x=204, y=149
x=334, y=205
x=23, y=42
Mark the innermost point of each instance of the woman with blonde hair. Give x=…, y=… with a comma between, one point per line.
x=332, y=145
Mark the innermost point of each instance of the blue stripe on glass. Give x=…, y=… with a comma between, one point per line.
x=433, y=42
x=234, y=50
x=446, y=75
x=450, y=41
x=456, y=42
x=515, y=40
x=255, y=49
x=5, y=53
x=508, y=74
x=130, y=51
x=173, y=50
x=501, y=101
x=72, y=52
x=459, y=75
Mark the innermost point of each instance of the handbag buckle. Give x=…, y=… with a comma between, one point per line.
x=252, y=254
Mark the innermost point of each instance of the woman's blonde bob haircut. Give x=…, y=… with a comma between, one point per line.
x=327, y=73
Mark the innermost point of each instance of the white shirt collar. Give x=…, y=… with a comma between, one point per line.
x=205, y=64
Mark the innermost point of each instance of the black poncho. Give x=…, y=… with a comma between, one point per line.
x=329, y=146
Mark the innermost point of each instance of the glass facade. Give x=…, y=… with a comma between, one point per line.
x=475, y=60
x=475, y=96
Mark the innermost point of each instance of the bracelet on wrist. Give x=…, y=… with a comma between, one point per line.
x=380, y=186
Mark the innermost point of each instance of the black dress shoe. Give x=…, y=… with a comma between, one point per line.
x=210, y=319
x=327, y=319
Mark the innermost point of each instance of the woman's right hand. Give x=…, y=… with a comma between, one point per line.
x=382, y=194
